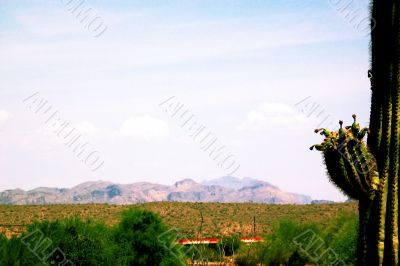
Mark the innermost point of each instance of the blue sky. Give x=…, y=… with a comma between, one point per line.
x=238, y=66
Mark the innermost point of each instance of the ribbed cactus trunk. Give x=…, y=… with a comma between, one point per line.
x=370, y=172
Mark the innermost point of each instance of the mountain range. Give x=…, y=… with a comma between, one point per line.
x=224, y=189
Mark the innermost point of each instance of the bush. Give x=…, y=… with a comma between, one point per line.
x=248, y=255
x=280, y=246
x=139, y=239
x=230, y=245
x=344, y=240
x=298, y=259
x=297, y=245
x=14, y=252
x=3, y=242
x=142, y=239
x=203, y=253
x=82, y=243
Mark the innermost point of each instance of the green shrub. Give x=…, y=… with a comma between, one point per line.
x=14, y=252
x=298, y=259
x=280, y=247
x=142, y=239
x=230, y=245
x=344, y=240
x=297, y=245
x=248, y=255
x=3, y=241
x=82, y=243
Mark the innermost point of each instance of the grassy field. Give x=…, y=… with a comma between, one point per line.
x=218, y=218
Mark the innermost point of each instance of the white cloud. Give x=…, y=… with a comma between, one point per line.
x=271, y=114
x=87, y=128
x=4, y=116
x=144, y=127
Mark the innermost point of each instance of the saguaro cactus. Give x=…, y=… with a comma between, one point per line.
x=369, y=172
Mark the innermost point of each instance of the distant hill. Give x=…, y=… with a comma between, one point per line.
x=234, y=182
x=259, y=189
x=224, y=189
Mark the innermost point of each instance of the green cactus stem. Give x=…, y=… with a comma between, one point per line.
x=369, y=171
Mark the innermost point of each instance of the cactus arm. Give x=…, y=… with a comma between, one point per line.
x=338, y=174
x=345, y=156
x=349, y=162
x=352, y=167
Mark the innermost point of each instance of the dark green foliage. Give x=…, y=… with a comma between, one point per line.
x=139, y=239
x=83, y=243
x=249, y=255
x=343, y=239
x=297, y=244
x=279, y=247
x=230, y=245
x=13, y=252
x=142, y=239
x=205, y=253
x=3, y=243
x=297, y=259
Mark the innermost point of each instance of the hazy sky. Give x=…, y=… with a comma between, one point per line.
x=239, y=67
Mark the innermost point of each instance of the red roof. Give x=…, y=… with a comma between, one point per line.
x=199, y=241
x=252, y=239
x=196, y=241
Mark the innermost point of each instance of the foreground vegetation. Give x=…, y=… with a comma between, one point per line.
x=219, y=219
x=141, y=238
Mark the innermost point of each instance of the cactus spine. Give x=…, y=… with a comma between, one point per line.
x=369, y=172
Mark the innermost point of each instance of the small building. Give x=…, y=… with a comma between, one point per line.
x=214, y=241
